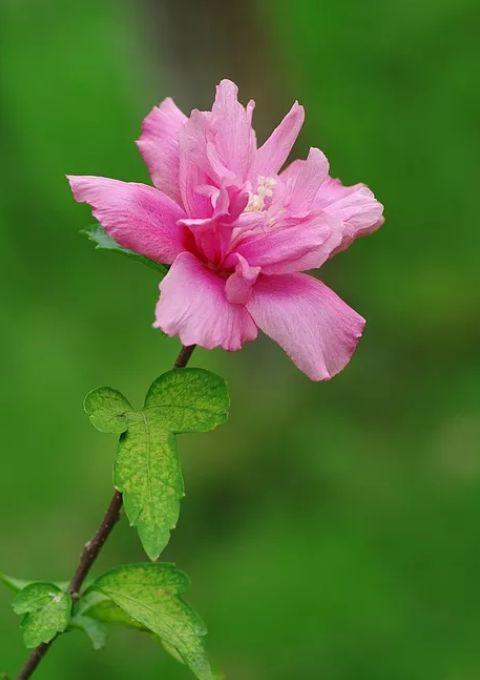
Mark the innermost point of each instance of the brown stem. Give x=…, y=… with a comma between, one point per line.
x=92, y=548
x=33, y=660
x=184, y=356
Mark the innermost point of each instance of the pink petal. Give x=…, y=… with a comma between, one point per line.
x=193, y=306
x=212, y=235
x=158, y=145
x=317, y=330
x=232, y=125
x=239, y=284
x=136, y=216
x=302, y=181
x=216, y=148
x=195, y=170
x=207, y=238
x=355, y=209
x=281, y=250
x=274, y=152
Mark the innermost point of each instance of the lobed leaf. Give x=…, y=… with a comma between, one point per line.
x=107, y=410
x=189, y=400
x=148, y=473
x=151, y=595
x=103, y=241
x=147, y=469
x=46, y=612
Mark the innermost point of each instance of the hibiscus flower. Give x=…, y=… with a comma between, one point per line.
x=238, y=231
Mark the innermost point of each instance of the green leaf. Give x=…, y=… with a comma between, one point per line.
x=93, y=629
x=17, y=584
x=147, y=468
x=107, y=410
x=189, y=399
x=169, y=649
x=99, y=607
x=14, y=584
x=150, y=594
x=103, y=241
x=46, y=612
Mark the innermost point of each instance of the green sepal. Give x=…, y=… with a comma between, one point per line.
x=150, y=594
x=46, y=611
x=103, y=241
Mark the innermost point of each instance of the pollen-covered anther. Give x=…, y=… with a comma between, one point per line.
x=264, y=190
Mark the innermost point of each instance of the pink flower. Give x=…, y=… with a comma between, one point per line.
x=238, y=231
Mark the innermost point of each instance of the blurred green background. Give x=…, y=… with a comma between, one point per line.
x=330, y=530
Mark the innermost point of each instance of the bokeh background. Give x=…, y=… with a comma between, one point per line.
x=330, y=530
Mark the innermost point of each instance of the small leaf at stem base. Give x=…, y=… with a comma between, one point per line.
x=46, y=612
x=103, y=241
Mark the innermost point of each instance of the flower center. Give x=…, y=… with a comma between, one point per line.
x=264, y=190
